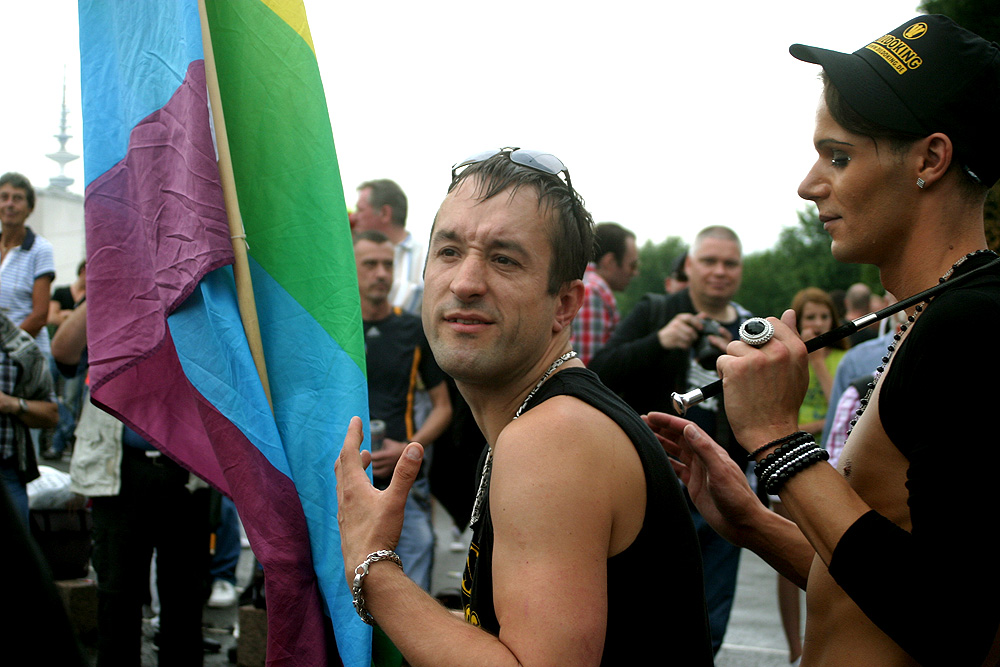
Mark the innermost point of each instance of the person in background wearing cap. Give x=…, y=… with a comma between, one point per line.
x=678, y=278
x=895, y=546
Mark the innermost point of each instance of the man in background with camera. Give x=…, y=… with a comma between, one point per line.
x=668, y=343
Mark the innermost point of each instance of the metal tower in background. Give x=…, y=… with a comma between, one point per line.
x=62, y=156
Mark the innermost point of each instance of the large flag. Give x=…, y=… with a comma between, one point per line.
x=168, y=350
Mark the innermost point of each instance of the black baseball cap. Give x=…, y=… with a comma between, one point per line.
x=677, y=270
x=928, y=75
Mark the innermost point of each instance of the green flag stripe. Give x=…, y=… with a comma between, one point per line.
x=285, y=165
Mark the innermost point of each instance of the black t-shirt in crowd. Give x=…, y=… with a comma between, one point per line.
x=399, y=362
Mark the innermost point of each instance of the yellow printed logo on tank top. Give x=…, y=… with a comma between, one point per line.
x=470, y=566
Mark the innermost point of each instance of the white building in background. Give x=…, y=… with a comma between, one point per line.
x=58, y=213
x=58, y=216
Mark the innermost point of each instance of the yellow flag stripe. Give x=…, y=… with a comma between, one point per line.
x=292, y=12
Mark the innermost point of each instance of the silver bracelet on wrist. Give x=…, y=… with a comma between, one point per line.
x=360, y=572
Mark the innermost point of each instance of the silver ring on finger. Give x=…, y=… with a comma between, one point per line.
x=756, y=331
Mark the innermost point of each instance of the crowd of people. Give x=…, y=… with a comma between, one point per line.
x=141, y=502
x=605, y=528
x=551, y=374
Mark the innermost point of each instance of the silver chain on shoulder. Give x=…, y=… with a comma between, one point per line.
x=488, y=464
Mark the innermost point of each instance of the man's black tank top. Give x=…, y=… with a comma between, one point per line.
x=656, y=598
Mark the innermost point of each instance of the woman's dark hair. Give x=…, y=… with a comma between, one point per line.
x=16, y=180
x=852, y=121
x=898, y=141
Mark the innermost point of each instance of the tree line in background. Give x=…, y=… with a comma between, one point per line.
x=801, y=257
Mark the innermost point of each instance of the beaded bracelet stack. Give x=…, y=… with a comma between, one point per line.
x=794, y=453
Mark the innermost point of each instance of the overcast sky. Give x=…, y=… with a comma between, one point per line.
x=669, y=119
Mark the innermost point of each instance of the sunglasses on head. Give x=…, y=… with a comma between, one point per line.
x=547, y=163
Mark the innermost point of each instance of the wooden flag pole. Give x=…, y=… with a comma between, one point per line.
x=241, y=266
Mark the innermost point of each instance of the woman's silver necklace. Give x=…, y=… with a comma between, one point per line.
x=488, y=464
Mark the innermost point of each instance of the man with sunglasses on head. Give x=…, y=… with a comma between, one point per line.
x=896, y=546
x=583, y=549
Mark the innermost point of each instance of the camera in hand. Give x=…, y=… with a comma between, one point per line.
x=704, y=351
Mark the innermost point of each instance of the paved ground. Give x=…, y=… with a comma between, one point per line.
x=754, y=637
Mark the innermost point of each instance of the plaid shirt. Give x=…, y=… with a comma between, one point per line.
x=24, y=373
x=847, y=407
x=598, y=316
x=8, y=379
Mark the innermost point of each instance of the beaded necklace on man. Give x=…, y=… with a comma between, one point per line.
x=898, y=336
x=488, y=464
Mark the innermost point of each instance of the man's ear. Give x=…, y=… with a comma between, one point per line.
x=385, y=213
x=570, y=298
x=607, y=260
x=934, y=156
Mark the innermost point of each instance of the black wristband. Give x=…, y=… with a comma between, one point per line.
x=776, y=443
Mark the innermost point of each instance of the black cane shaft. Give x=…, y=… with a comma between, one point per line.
x=684, y=401
x=823, y=340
